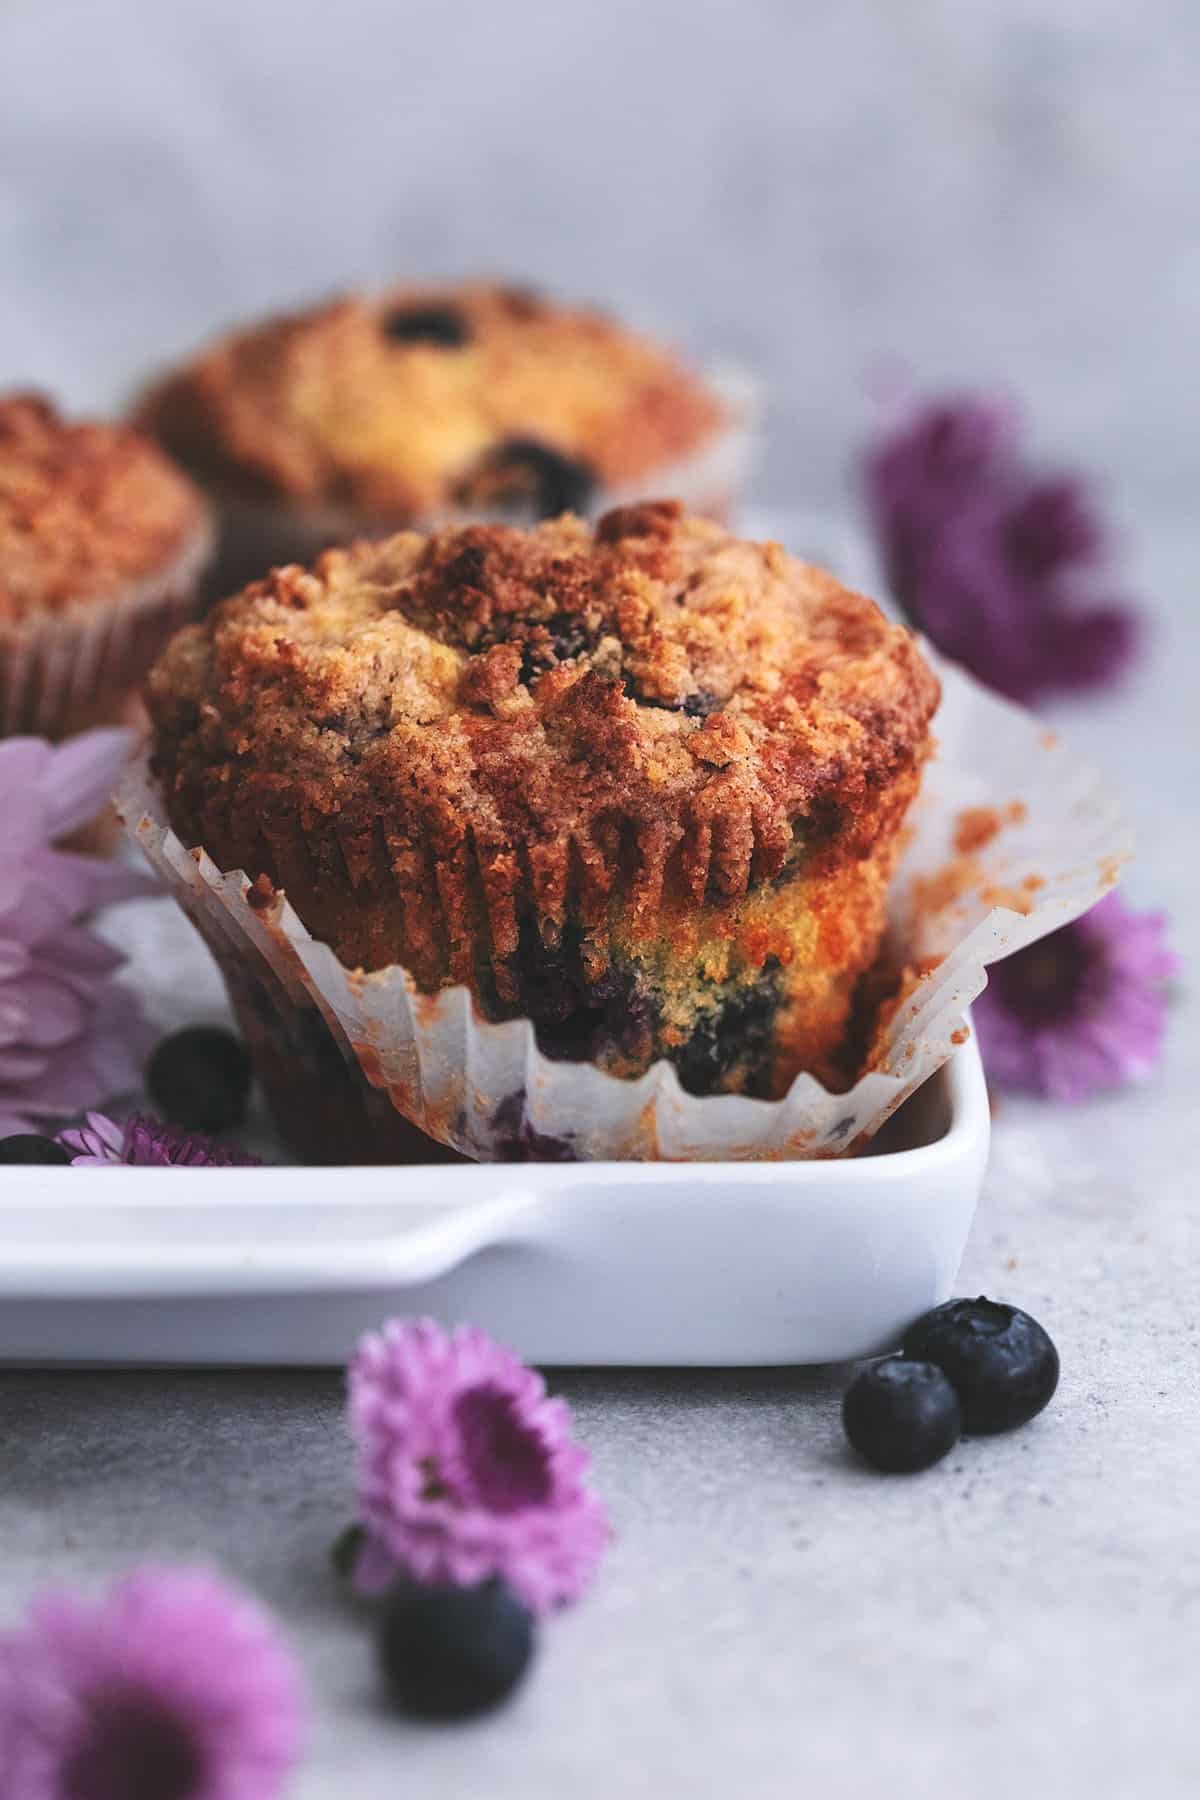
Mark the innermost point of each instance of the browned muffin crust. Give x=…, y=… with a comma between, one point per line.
x=85, y=509
x=516, y=721
x=410, y=403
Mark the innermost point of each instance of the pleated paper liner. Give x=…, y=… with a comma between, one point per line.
x=1010, y=838
x=259, y=534
x=80, y=666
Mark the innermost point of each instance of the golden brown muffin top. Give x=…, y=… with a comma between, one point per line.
x=523, y=688
x=424, y=399
x=85, y=509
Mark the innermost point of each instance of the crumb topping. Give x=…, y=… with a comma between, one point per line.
x=84, y=508
x=522, y=689
x=422, y=399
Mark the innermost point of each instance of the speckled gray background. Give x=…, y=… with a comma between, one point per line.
x=986, y=189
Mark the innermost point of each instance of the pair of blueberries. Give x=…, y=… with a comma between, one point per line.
x=971, y=1365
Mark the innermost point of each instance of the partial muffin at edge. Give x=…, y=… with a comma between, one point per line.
x=642, y=784
x=102, y=540
x=86, y=508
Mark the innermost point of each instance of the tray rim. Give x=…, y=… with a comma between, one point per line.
x=962, y=1072
x=406, y=1223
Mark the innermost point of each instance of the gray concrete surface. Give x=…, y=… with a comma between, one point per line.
x=773, y=1619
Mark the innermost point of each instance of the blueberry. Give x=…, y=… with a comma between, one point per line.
x=432, y=324
x=738, y=1034
x=449, y=1652
x=901, y=1416
x=200, y=1078
x=700, y=704
x=28, y=1147
x=522, y=472
x=562, y=638
x=519, y=1141
x=569, y=636
x=1001, y=1361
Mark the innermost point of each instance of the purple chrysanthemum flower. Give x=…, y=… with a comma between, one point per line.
x=467, y=1469
x=172, y=1687
x=1002, y=569
x=1083, y=1009
x=69, y=1034
x=147, y=1143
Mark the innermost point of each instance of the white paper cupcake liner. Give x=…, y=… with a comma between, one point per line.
x=65, y=669
x=259, y=534
x=487, y=1091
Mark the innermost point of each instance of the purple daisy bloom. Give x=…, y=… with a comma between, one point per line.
x=467, y=1469
x=1002, y=569
x=146, y=1143
x=1083, y=1009
x=69, y=1034
x=172, y=1687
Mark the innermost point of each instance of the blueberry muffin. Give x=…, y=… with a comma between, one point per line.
x=641, y=783
x=101, y=545
x=421, y=405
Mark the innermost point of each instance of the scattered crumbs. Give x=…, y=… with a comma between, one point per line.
x=934, y=893
x=1049, y=740
x=260, y=894
x=975, y=827
x=1011, y=1263
x=1032, y=883
x=1011, y=897
x=961, y=1035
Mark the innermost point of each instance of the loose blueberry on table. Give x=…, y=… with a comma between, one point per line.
x=199, y=1078
x=451, y=1652
x=1001, y=1361
x=901, y=1416
x=28, y=1147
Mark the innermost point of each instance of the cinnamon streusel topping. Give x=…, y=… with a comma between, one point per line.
x=524, y=719
x=85, y=509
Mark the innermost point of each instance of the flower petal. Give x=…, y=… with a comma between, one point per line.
x=79, y=777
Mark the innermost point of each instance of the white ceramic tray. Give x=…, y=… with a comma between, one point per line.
x=600, y=1263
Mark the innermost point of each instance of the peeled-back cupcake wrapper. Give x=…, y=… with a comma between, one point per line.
x=259, y=533
x=59, y=670
x=483, y=1088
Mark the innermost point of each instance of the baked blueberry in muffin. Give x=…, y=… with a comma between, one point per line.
x=641, y=783
x=369, y=413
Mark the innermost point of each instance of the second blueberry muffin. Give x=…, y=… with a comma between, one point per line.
x=469, y=400
x=642, y=784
